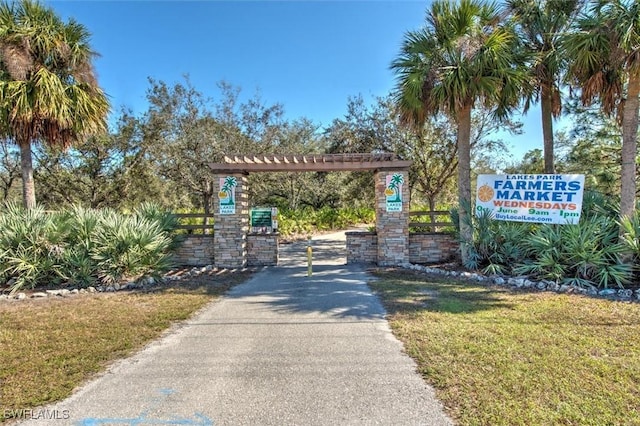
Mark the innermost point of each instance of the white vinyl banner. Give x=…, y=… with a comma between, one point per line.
x=531, y=198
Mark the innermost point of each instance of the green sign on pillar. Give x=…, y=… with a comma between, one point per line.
x=264, y=220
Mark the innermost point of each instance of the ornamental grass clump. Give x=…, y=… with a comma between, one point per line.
x=590, y=254
x=586, y=254
x=31, y=246
x=127, y=247
x=82, y=247
x=630, y=237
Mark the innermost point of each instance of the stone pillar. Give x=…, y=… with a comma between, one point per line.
x=262, y=249
x=392, y=217
x=231, y=220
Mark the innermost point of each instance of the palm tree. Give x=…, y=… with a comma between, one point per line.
x=605, y=64
x=48, y=89
x=230, y=182
x=541, y=24
x=396, y=181
x=465, y=55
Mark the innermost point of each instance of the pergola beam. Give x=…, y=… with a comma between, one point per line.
x=309, y=163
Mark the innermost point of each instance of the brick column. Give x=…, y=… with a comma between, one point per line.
x=392, y=227
x=230, y=229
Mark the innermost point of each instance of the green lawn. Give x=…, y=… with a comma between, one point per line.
x=501, y=357
x=496, y=357
x=50, y=346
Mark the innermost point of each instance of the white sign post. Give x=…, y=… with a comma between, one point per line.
x=544, y=198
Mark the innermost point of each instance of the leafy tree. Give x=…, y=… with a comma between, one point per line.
x=432, y=148
x=532, y=163
x=184, y=138
x=295, y=190
x=48, y=90
x=434, y=152
x=363, y=129
x=605, y=65
x=187, y=131
x=465, y=55
x=541, y=24
x=135, y=171
x=595, y=141
x=110, y=170
x=9, y=169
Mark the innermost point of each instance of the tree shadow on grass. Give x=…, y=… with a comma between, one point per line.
x=405, y=291
x=212, y=283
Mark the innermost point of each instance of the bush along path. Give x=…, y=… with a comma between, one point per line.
x=598, y=253
x=82, y=248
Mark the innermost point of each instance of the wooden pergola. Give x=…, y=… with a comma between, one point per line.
x=309, y=163
x=231, y=219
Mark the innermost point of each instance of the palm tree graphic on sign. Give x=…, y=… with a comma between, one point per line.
x=226, y=191
x=394, y=187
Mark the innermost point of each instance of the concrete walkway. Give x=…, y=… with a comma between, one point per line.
x=280, y=349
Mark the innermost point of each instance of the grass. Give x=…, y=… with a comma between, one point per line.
x=500, y=357
x=51, y=346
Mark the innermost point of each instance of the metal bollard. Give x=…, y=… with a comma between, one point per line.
x=309, y=259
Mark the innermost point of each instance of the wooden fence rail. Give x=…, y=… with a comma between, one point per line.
x=434, y=224
x=206, y=226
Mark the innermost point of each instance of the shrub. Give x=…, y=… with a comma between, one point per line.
x=31, y=246
x=78, y=265
x=129, y=247
x=81, y=246
x=497, y=246
x=165, y=220
x=587, y=254
x=630, y=238
x=307, y=221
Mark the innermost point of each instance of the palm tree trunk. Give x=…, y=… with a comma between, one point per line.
x=464, y=180
x=629, y=147
x=547, y=129
x=28, y=186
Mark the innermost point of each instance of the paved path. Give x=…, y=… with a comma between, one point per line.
x=280, y=349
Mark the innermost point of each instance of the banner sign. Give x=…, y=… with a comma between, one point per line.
x=393, y=192
x=227, y=195
x=542, y=198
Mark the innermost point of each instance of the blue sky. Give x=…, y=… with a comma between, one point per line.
x=309, y=56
